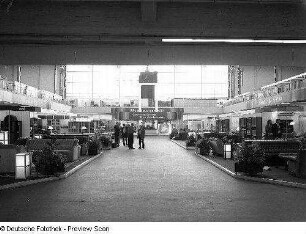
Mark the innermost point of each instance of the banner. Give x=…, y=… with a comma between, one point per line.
x=162, y=114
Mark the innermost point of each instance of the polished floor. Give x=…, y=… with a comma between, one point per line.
x=160, y=183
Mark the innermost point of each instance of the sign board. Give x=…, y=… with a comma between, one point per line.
x=163, y=114
x=20, y=108
x=147, y=116
x=148, y=91
x=269, y=101
x=148, y=77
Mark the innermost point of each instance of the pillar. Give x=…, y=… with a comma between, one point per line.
x=139, y=98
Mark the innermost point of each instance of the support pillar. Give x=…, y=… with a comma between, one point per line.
x=155, y=98
x=139, y=98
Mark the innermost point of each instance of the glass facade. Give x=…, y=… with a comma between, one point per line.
x=119, y=84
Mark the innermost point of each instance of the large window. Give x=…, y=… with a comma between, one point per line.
x=120, y=83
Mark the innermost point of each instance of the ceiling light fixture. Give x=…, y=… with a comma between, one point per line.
x=189, y=40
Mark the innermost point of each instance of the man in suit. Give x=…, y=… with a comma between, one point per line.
x=131, y=131
x=141, y=135
x=124, y=134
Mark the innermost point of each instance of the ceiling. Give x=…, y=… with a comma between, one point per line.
x=203, y=1
x=136, y=27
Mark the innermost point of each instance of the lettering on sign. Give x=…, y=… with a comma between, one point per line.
x=266, y=101
x=146, y=110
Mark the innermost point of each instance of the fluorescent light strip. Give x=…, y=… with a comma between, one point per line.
x=188, y=40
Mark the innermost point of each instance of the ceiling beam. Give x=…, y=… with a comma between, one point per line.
x=294, y=55
x=49, y=21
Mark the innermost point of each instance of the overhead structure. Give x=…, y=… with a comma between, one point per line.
x=132, y=32
x=148, y=11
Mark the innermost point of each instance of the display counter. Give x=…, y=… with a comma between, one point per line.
x=275, y=147
x=290, y=153
x=83, y=140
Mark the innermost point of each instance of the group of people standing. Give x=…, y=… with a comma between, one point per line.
x=273, y=131
x=126, y=131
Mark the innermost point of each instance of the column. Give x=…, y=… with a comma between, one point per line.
x=139, y=99
x=155, y=98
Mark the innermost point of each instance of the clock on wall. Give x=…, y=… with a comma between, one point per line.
x=148, y=77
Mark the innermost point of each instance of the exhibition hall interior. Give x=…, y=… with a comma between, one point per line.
x=185, y=110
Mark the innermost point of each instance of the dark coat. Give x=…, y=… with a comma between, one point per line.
x=276, y=130
x=130, y=130
x=141, y=132
x=117, y=130
x=269, y=131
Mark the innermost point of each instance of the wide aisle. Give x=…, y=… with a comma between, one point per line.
x=161, y=183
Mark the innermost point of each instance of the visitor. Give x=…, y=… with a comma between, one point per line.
x=127, y=133
x=117, y=133
x=268, y=130
x=276, y=129
x=124, y=135
x=141, y=135
x=131, y=131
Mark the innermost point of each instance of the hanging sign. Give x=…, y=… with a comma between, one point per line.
x=148, y=77
x=270, y=101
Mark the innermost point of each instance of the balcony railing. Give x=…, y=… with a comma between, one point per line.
x=288, y=85
x=20, y=88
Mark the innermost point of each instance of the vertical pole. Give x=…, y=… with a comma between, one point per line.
x=139, y=100
x=92, y=83
x=119, y=86
x=55, y=78
x=9, y=128
x=19, y=78
x=39, y=78
x=29, y=115
x=173, y=81
x=63, y=78
x=156, y=100
x=201, y=81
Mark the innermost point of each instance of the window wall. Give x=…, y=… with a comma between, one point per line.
x=119, y=84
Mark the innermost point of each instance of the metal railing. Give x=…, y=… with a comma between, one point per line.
x=24, y=89
x=287, y=85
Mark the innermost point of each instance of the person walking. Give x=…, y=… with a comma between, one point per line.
x=131, y=131
x=141, y=135
x=124, y=135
